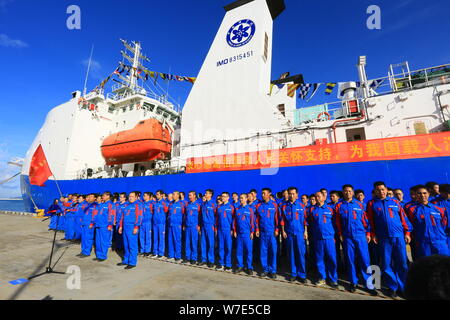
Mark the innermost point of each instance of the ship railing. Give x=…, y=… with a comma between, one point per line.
x=398, y=82
x=169, y=167
x=94, y=94
x=409, y=80
x=122, y=96
x=327, y=111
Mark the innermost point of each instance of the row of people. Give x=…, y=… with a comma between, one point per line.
x=383, y=222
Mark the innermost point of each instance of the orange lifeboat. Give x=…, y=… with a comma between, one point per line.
x=147, y=141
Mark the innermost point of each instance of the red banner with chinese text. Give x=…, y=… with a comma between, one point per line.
x=409, y=147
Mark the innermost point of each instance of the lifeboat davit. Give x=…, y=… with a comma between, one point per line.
x=148, y=140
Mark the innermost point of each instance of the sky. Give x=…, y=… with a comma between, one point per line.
x=42, y=61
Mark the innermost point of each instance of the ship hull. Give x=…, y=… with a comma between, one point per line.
x=396, y=173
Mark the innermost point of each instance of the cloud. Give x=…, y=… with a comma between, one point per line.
x=95, y=65
x=11, y=188
x=406, y=19
x=7, y=42
x=399, y=6
x=95, y=70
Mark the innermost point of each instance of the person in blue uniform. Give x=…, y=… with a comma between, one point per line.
x=390, y=228
x=304, y=200
x=175, y=219
x=130, y=222
x=79, y=212
x=390, y=193
x=119, y=206
x=335, y=198
x=54, y=211
x=293, y=228
x=160, y=209
x=145, y=231
x=429, y=226
x=234, y=199
x=444, y=190
x=191, y=226
x=325, y=194
x=444, y=202
x=433, y=189
x=207, y=225
x=152, y=202
x=398, y=194
x=87, y=232
x=103, y=222
x=360, y=196
x=200, y=198
x=224, y=231
x=139, y=198
x=312, y=202
x=252, y=201
x=267, y=217
x=255, y=195
x=70, y=220
x=183, y=199
x=62, y=218
x=406, y=206
x=311, y=260
x=354, y=232
x=413, y=196
x=285, y=199
x=320, y=222
x=244, y=228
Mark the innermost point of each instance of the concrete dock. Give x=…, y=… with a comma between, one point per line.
x=25, y=244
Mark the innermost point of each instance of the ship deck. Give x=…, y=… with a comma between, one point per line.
x=26, y=245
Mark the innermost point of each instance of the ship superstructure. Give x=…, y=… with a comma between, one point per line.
x=74, y=133
x=132, y=138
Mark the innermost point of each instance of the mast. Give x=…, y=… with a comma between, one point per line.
x=363, y=76
x=134, y=74
x=87, y=73
x=135, y=60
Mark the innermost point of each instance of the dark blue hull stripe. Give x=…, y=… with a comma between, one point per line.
x=396, y=173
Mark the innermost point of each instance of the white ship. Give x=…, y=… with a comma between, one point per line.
x=239, y=128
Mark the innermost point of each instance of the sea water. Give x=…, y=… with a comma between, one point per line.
x=12, y=205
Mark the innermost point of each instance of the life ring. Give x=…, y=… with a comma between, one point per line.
x=81, y=101
x=320, y=118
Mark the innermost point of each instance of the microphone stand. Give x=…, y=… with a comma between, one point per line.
x=49, y=269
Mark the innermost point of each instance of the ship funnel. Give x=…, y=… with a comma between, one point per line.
x=276, y=7
x=231, y=93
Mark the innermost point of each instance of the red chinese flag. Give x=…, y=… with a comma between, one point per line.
x=39, y=169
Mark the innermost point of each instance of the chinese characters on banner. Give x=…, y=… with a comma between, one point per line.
x=410, y=147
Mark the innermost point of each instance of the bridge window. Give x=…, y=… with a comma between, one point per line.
x=266, y=46
x=420, y=127
x=282, y=109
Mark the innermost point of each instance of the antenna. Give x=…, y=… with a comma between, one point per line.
x=87, y=73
